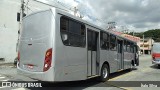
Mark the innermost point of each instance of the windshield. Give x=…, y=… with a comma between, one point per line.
x=156, y=48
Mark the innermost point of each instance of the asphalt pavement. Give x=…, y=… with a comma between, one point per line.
x=144, y=73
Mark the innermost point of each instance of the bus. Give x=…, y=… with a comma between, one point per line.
x=156, y=54
x=57, y=46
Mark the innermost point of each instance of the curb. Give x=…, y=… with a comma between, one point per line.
x=7, y=64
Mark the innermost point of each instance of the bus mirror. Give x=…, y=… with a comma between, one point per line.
x=64, y=37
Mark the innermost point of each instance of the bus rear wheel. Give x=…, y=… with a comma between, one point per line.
x=104, y=73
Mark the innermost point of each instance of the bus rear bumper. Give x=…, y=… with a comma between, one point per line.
x=42, y=76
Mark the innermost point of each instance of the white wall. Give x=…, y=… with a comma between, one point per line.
x=8, y=29
x=9, y=25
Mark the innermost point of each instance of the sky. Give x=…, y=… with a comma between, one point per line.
x=134, y=15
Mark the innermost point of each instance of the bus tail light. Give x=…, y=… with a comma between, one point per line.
x=18, y=58
x=48, y=59
x=153, y=56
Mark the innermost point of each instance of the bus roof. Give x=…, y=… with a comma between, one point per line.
x=65, y=13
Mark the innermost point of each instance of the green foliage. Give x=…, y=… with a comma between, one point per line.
x=154, y=33
x=138, y=34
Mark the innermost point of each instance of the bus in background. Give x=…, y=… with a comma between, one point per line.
x=156, y=54
x=56, y=46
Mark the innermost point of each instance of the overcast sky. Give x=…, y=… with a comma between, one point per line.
x=137, y=15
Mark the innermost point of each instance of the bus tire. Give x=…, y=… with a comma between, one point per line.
x=104, y=73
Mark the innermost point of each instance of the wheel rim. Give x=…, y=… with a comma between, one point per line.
x=105, y=73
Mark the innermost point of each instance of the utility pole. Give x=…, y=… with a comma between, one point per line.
x=20, y=22
x=124, y=29
x=21, y=15
x=75, y=11
x=133, y=32
x=151, y=45
x=143, y=44
x=22, y=10
x=111, y=25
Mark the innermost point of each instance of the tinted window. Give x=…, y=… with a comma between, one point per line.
x=125, y=45
x=89, y=35
x=112, y=42
x=132, y=48
x=128, y=46
x=92, y=40
x=72, y=32
x=104, y=41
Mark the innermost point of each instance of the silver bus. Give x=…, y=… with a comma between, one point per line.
x=56, y=46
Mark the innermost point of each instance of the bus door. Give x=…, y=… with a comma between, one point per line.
x=92, y=61
x=136, y=55
x=120, y=54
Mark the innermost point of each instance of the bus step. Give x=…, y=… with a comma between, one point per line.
x=120, y=70
x=92, y=76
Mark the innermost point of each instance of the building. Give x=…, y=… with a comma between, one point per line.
x=146, y=45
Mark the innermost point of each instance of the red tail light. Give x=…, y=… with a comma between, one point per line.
x=153, y=57
x=18, y=56
x=48, y=59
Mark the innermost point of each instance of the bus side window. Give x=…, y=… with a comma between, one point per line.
x=82, y=29
x=72, y=32
x=64, y=29
x=124, y=46
x=128, y=46
x=112, y=42
x=132, y=48
x=89, y=34
x=104, y=41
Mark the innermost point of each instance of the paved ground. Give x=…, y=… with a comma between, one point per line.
x=145, y=72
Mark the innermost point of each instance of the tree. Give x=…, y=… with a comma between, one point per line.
x=154, y=34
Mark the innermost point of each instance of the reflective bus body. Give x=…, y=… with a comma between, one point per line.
x=56, y=46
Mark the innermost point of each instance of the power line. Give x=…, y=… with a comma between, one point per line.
x=51, y=5
x=67, y=8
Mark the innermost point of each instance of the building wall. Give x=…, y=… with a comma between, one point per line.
x=9, y=26
x=147, y=45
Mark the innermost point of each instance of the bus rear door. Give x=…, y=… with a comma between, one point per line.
x=92, y=62
x=120, y=54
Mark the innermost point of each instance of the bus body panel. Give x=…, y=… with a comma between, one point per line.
x=43, y=76
x=128, y=57
x=70, y=62
x=111, y=58
x=35, y=40
x=33, y=59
